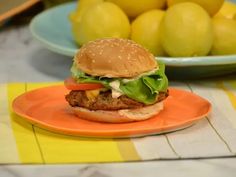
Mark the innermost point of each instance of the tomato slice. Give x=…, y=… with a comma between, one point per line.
x=71, y=84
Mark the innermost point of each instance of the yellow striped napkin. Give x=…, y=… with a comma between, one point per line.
x=21, y=142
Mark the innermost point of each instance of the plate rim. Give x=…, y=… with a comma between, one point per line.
x=50, y=45
x=198, y=60
x=125, y=133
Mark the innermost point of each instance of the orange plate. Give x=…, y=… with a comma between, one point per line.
x=47, y=108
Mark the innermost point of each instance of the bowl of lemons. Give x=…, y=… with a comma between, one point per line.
x=194, y=38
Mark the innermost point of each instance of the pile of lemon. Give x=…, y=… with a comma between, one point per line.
x=175, y=28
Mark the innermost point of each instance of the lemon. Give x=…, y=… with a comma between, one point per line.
x=100, y=21
x=135, y=7
x=225, y=36
x=227, y=10
x=186, y=30
x=76, y=15
x=82, y=6
x=211, y=6
x=145, y=31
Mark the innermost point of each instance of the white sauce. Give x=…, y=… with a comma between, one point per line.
x=115, y=85
x=115, y=94
x=115, y=91
x=144, y=74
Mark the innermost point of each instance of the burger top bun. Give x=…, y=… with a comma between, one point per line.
x=114, y=57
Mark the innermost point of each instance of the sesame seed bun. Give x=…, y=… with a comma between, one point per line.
x=120, y=116
x=114, y=57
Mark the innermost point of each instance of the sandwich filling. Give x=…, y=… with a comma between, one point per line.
x=105, y=101
x=120, y=93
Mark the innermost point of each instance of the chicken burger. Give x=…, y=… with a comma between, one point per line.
x=116, y=80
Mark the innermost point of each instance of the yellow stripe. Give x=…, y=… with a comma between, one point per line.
x=57, y=148
x=127, y=150
x=232, y=86
x=36, y=85
x=48, y=147
x=25, y=138
x=8, y=149
x=229, y=93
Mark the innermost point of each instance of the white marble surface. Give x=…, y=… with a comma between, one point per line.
x=23, y=59
x=194, y=168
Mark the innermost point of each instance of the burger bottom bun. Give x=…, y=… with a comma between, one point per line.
x=119, y=116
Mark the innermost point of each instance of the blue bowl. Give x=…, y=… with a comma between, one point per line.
x=52, y=28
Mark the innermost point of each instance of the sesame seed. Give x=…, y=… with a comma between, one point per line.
x=128, y=57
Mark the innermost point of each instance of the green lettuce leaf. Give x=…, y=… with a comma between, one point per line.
x=144, y=89
x=81, y=77
x=139, y=91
